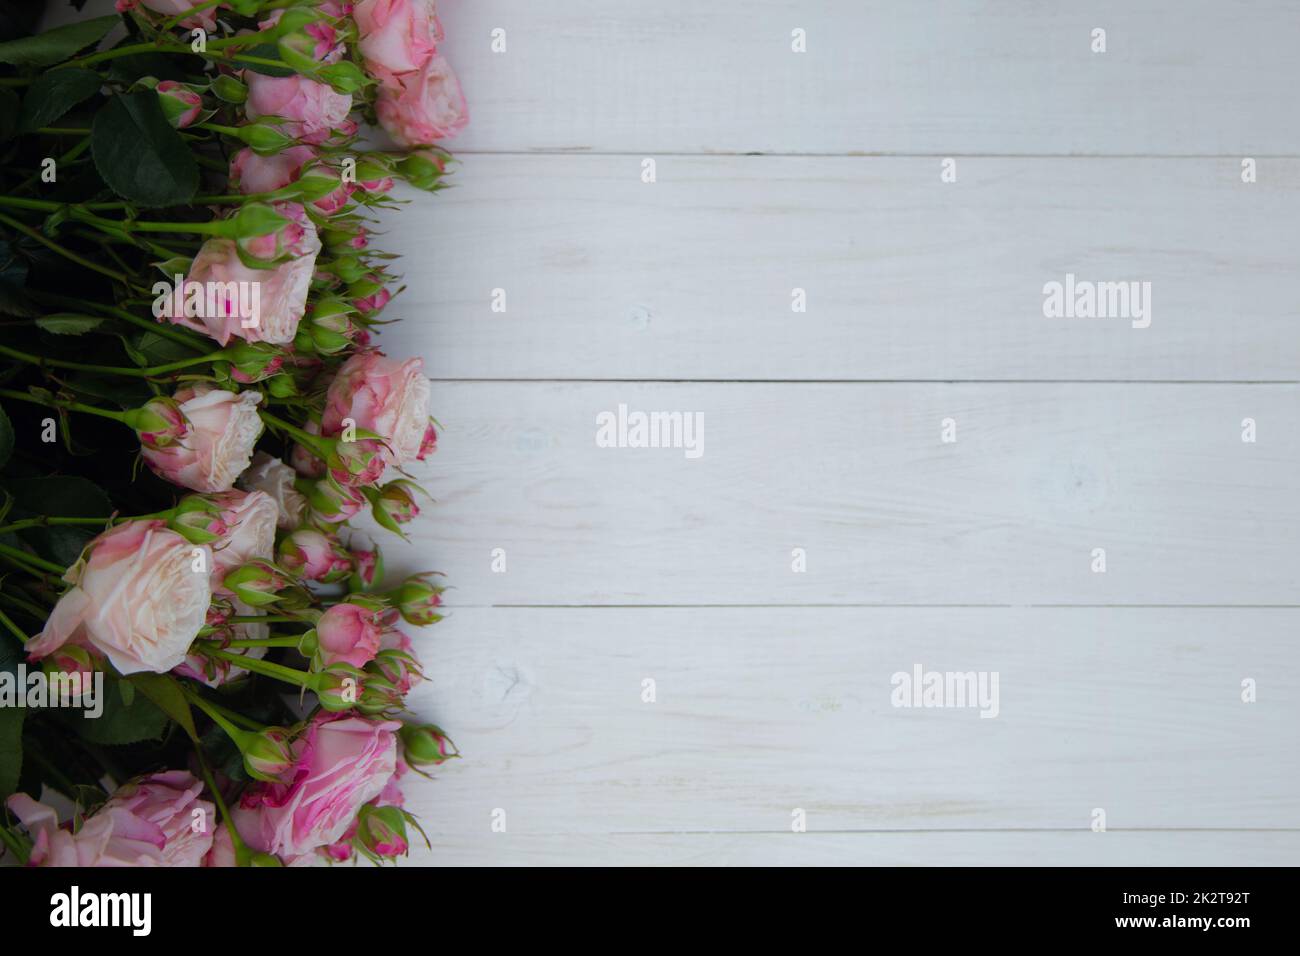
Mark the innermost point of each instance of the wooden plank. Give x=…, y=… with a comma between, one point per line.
x=905, y=277
x=1143, y=848
x=857, y=475
x=760, y=711
x=1178, y=76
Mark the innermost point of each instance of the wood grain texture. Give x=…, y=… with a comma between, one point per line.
x=857, y=475
x=1116, y=848
x=1178, y=77
x=759, y=711
x=906, y=277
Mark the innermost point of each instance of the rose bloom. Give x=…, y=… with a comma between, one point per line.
x=249, y=519
x=342, y=763
x=383, y=395
x=312, y=111
x=224, y=427
x=396, y=36
x=252, y=173
x=183, y=105
x=147, y=822
x=420, y=107
x=207, y=19
x=258, y=305
x=135, y=598
x=349, y=634
x=275, y=479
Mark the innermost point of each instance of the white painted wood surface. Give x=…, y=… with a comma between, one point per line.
x=1119, y=690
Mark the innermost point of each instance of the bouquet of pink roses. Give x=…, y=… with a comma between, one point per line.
x=200, y=661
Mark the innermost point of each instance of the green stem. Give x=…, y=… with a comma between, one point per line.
x=66, y=253
x=166, y=330
x=265, y=668
x=313, y=442
x=63, y=131
x=48, y=522
x=233, y=732
x=70, y=406
x=32, y=560
x=35, y=610
x=13, y=628
x=63, y=160
x=111, y=369
x=265, y=642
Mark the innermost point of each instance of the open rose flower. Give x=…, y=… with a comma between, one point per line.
x=224, y=298
x=421, y=107
x=146, y=822
x=275, y=479
x=342, y=764
x=224, y=427
x=396, y=36
x=386, y=396
x=312, y=111
x=248, y=520
x=136, y=598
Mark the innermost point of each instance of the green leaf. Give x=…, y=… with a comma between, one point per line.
x=139, y=155
x=166, y=693
x=53, y=46
x=54, y=93
x=11, y=748
x=6, y=437
x=68, y=323
x=120, y=723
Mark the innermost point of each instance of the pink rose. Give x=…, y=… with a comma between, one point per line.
x=420, y=107
x=252, y=173
x=315, y=556
x=258, y=305
x=312, y=111
x=397, y=36
x=289, y=240
x=136, y=598
x=342, y=764
x=147, y=822
x=181, y=105
x=207, y=19
x=248, y=520
x=274, y=478
x=382, y=395
x=348, y=634
x=224, y=427
x=397, y=661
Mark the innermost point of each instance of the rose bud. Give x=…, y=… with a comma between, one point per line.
x=417, y=599
x=425, y=745
x=330, y=502
x=369, y=295
x=380, y=696
x=322, y=185
x=228, y=89
x=315, y=556
x=206, y=19
x=381, y=831
x=180, y=104
x=428, y=444
x=198, y=520
x=249, y=362
x=74, y=663
x=396, y=662
x=339, y=687
x=330, y=330
x=394, y=504
x=347, y=634
x=267, y=755
x=260, y=249
x=424, y=168
x=357, y=463
x=158, y=423
x=257, y=583
x=367, y=569
x=251, y=173
x=303, y=459
x=375, y=173
x=343, y=237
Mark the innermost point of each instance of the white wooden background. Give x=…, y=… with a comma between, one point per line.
x=821, y=170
